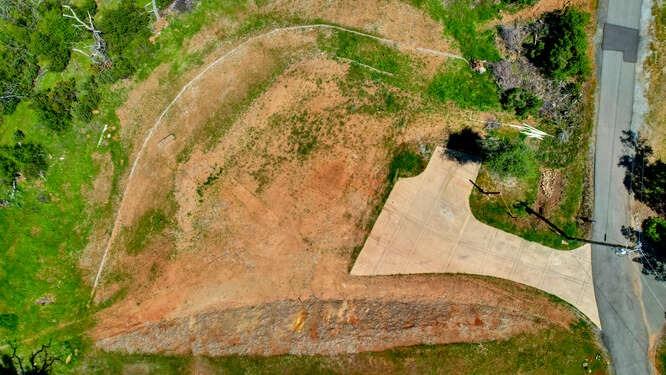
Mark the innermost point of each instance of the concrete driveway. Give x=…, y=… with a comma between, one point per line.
x=426, y=226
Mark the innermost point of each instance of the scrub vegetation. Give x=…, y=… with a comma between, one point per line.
x=55, y=103
x=544, y=80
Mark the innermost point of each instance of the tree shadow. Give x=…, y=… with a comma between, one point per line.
x=559, y=230
x=644, y=178
x=464, y=146
x=651, y=256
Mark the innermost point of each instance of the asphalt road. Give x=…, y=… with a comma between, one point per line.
x=629, y=303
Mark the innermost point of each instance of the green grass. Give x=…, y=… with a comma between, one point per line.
x=113, y=363
x=551, y=351
x=462, y=20
x=496, y=210
x=42, y=238
x=370, y=52
x=147, y=227
x=660, y=355
x=405, y=163
x=458, y=83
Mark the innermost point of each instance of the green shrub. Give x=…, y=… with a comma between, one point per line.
x=8, y=321
x=9, y=170
x=507, y=156
x=521, y=102
x=27, y=159
x=83, y=7
x=18, y=66
x=88, y=98
x=460, y=84
x=654, y=230
x=31, y=157
x=126, y=29
x=560, y=49
x=405, y=163
x=55, y=105
x=52, y=39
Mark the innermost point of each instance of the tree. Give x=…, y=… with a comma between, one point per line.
x=126, y=31
x=521, y=102
x=55, y=104
x=22, y=159
x=18, y=65
x=559, y=48
x=654, y=231
x=98, y=48
x=40, y=362
x=52, y=38
x=507, y=156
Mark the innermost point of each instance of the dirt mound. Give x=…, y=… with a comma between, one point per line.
x=329, y=327
x=550, y=190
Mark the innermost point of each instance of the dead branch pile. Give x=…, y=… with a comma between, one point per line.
x=560, y=99
x=513, y=37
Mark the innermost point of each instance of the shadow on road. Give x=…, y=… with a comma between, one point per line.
x=645, y=179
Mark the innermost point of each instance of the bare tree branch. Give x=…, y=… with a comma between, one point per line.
x=155, y=9
x=98, y=48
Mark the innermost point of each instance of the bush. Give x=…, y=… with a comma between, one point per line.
x=521, y=102
x=9, y=170
x=27, y=159
x=87, y=98
x=561, y=47
x=508, y=157
x=654, y=243
x=654, y=230
x=55, y=105
x=18, y=67
x=31, y=158
x=126, y=31
x=52, y=39
x=9, y=321
x=405, y=163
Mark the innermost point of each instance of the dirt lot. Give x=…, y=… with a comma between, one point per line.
x=263, y=221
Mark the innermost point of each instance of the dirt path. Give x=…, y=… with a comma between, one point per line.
x=198, y=77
